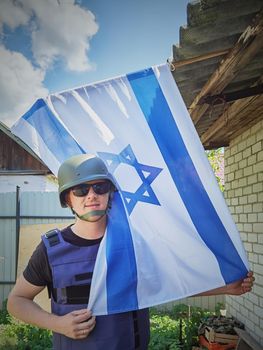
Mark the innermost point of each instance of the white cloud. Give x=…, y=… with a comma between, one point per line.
x=59, y=29
x=62, y=30
x=20, y=85
x=11, y=15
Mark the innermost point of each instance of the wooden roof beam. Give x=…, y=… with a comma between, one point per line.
x=249, y=43
x=231, y=115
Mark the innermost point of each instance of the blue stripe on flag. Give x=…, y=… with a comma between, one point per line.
x=121, y=263
x=56, y=138
x=202, y=212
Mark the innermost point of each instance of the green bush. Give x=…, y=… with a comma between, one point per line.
x=176, y=328
x=15, y=335
x=173, y=329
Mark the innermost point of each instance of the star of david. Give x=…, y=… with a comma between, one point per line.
x=147, y=174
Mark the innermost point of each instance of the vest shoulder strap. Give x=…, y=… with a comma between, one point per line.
x=52, y=237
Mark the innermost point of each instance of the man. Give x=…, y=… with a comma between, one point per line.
x=64, y=262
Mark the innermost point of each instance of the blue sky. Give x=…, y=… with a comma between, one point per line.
x=51, y=45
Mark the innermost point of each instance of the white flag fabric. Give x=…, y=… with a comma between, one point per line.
x=169, y=233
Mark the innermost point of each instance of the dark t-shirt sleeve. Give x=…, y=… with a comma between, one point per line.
x=38, y=271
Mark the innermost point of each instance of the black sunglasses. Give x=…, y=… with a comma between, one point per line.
x=98, y=187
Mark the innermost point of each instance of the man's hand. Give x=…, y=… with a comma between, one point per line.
x=76, y=324
x=242, y=286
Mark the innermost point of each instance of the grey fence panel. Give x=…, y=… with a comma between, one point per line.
x=35, y=208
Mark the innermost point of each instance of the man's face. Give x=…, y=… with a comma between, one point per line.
x=83, y=198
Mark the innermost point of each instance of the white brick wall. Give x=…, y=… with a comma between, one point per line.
x=244, y=195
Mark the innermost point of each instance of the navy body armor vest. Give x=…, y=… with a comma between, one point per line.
x=72, y=267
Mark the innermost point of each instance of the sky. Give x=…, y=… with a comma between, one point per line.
x=48, y=46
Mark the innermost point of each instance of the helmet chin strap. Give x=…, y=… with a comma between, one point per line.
x=89, y=215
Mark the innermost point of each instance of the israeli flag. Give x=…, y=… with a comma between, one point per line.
x=169, y=234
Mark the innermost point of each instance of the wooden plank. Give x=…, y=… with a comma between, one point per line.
x=251, y=342
x=249, y=43
x=198, y=13
x=232, y=115
x=176, y=64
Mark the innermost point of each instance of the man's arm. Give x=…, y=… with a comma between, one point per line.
x=22, y=306
x=235, y=288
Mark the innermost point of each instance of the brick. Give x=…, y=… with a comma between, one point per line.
x=257, y=207
x=238, y=157
x=248, y=247
x=247, y=190
x=239, y=209
x=258, y=167
x=249, y=324
x=260, y=217
x=248, y=171
x=231, y=193
x=260, y=156
x=251, y=140
x=244, y=311
x=242, y=200
x=252, y=160
x=243, y=218
x=242, y=182
x=260, y=197
x=248, y=227
x=232, y=210
x=259, y=135
x=252, y=179
x=227, y=152
x=258, y=290
x=258, y=227
x=252, y=218
x=230, y=177
x=258, y=311
x=260, y=280
x=242, y=145
x=252, y=237
x=253, y=298
x=243, y=236
x=257, y=147
x=230, y=160
x=234, y=184
x=258, y=334
x=252, y=257
x=247, y=208
x=252, y=198
x=257, y=188
x=249, y=305
x=253, y=318
x=233, y=150
x=233, y=167
x=258, y=248
x=234, y=201
x=238, y=192
x=247, y=152
x=243, y=164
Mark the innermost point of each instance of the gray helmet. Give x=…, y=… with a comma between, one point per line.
x=79, y=169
